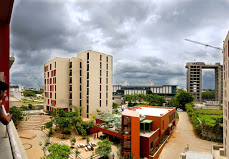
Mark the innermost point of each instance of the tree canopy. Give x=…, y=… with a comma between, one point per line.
x=180, y=99
x=104, y=148
x=151, y=99
x=58, y=151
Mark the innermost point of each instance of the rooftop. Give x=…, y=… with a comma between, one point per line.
x=150, y=111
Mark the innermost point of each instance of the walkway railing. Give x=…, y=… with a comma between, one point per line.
x=14, y=147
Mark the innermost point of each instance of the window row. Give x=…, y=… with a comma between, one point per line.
x=50, y=67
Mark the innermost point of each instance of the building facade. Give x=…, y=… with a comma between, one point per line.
x=168, y=91
x=194, y=80
x=84, y=81
x=226, y=96
x=142, y=128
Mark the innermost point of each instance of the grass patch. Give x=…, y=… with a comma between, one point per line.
x=209, y=111
x=209, y=119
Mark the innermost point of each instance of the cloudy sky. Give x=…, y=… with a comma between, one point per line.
x=145, y=37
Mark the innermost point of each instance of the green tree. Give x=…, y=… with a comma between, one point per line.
x=77, y=152
x=17, y=115
x=29, y=93
x=58, y=151
x=104, y=148
x=182, y=97
x=73, y=141
x=30, y=106
x=88, y=140
x=114, y=105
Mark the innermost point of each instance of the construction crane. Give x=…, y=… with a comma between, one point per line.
x=203, y=44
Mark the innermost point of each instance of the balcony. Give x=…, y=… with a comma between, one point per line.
x=11, y=146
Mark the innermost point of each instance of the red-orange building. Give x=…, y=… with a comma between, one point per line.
x=142, y=129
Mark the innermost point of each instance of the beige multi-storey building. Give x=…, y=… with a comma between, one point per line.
x=226, y=96
x=83, y=81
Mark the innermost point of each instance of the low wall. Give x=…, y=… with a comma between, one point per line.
x=158, y=152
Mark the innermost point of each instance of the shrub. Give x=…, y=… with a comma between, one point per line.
x=49, y=124
x=17, y=115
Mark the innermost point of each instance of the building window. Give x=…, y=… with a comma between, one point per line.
x=106, y=87
x=87, y=75
x=55, y=87
x=48, y=74
x=100, y=103
x=80, y=80
x=80, y=73
x=70, y=80
x=80, y=95
x=70, y=64
x=55, y=95
x=107, y=80
x=87, y=108
x=100, y=80
x=87, y=116
x=50, y=94
x=163, y=125
x=87, y=99
x=80, y=65
x=100, y=88
x=87, y=91
x=100, y=65
x=87, y=83
x=80, y=103
x=100, y=72
x=55, y=64
x=151, y=145
x=107, y=73
x=87, y=67
x=50, y=66
x=88, y=56
x=70, y=72
x=107, y=58
x=100, y=57
x=70, y=95
x=100, y=95
x=106, y=94
x=107, y=66
x=70, y=102
x=70, y=87
x=80, y=88
x=106, y=102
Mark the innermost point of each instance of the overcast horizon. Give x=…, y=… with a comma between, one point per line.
x=145, y=38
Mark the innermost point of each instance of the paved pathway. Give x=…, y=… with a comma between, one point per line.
x=184, y=134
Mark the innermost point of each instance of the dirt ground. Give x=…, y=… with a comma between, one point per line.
x=32, y=136
x=184, y=134
x=79, y=139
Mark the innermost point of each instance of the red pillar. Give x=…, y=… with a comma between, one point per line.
x=4, y=58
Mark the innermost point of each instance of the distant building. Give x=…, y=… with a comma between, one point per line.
x=142, y=128
x=17, y=88
x=83, y=81
x=119, y=91
x=194, y=79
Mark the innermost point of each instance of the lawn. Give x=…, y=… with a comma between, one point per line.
x=209, y=119
x=209, y=111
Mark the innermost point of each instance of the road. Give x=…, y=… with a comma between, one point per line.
x=184, y=134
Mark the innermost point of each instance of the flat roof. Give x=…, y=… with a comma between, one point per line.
x=147, y=121
x=153, y=111
x=130, y=113
x=198, y=155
